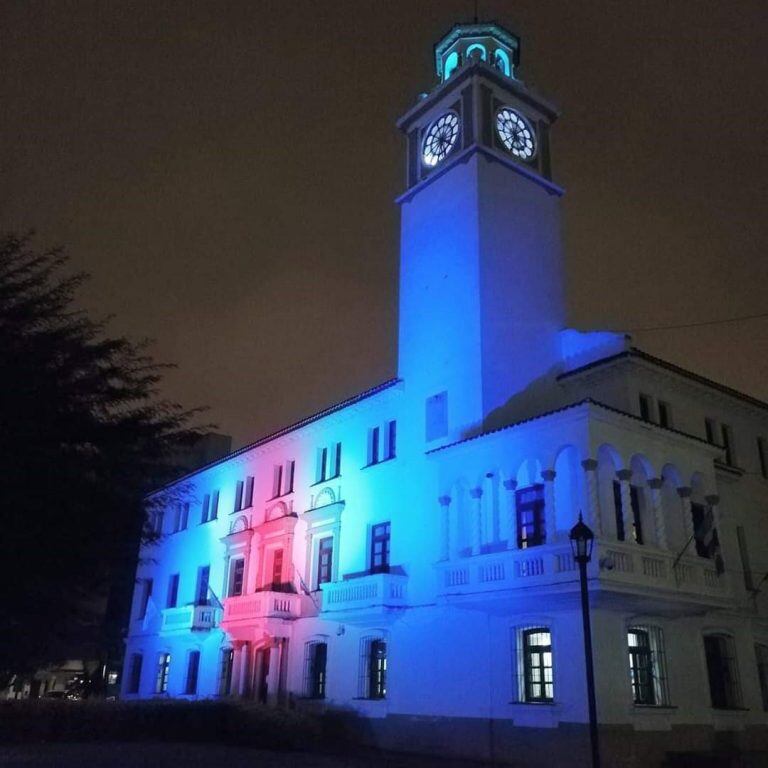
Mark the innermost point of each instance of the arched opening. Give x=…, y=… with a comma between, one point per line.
x=569, y=488
x=451, y=64
x=608, y=463
x=642, y=503
x=501, y=61
x=672, y=508
x=476, y=49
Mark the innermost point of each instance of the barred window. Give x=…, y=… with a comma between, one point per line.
x=537, y=661
x=315, y=660
x=647, y=666
x=722, y=670
x=372, y=678
x=163, y=669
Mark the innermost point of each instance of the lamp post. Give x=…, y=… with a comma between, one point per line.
x=582, y=541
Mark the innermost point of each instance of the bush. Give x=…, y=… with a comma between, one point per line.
x=35, y=720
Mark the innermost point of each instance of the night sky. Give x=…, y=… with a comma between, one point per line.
x=226, y=172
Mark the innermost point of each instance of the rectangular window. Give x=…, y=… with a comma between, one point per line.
x=182, y=516
x=377, y=670
x=373, y=445
x=336, y=460
x=193, y=671
x=537, y=661
x=282, y=479
x=289, y=473
x=665, y=415
x=134, y=673
x=157, y=522
x=749, y=583
x=705, y=535
x=321, y=472
x=762, y=456
x=647, y=666
x=645, y=408
x=238, y=496
x=225, y=671
x=727, y=434
x=248, y=493
x=436, y=418
x=315, y=661
x=761, y=653
x=163, y=668
x=709, y=429
x=237, y=570
x=203, y=579
x=380, y=543
x=277, y=480
x=391, y=446
x=146, y=594
x=722, y=671
x=324, y=560
x=531, y=530
x=214, y=505
x=173, y=591
x=634, y=500
x=206, y=508
x=277, y=570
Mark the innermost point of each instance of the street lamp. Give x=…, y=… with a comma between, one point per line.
x=582, y=541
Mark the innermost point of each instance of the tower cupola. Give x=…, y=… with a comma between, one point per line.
x=486, y=42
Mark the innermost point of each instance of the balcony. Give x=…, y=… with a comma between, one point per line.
x=266, y=609
x=188, y=618
x=619, y=574
x=365, y=597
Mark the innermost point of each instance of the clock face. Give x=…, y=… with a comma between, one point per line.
x=440, y=139
x=516, y=133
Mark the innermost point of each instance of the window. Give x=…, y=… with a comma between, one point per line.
x=163, y=668
x=709, y=430
x=762, y=456
x=157, y=522
x=373, y=668
x=437, y=416
x=704, y=532
x=761, y=653
x=210, y=510
x=724, y=689
x=173, y=591
x=236, y=572
x=382, y=443
x=645, y=408
x=325, y=560
x=146, y=594
x=749, y=583
x=134, y=673
x=282, y=479
x=328, y=463
x=315, y=658
x=727, y=434
x=277, y=570
x=647, y=666
x=530, y=517
x=634, y=500
x=225, y=671
x=193, y=670
x=665, y=415
x=380, y=541
x=203, y=578
x=182, y=517
x=243, y=494
x=537, y=665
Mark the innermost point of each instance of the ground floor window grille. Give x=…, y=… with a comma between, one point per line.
x=225, y=671
x=315, y=660
x=722, y=670
x=534, y=665
x=372, y=682
x=163, y=669
x=647, y=666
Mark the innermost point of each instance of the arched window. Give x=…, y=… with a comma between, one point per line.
x=451, y=64
x=501, y=61
x=477, y=47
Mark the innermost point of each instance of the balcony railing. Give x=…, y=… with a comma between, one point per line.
x=262, y=605
x=372, y=592
x=185, y=618
x=613, y=563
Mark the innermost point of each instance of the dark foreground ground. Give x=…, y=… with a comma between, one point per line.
x=118, y=755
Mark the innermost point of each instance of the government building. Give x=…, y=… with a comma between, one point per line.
x=404, y=555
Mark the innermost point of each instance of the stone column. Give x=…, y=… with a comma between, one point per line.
x=237, y=656
x=659, y=522
x=550, y=514
x=627, y=516
x=511, y=486
x=593, y=500
x=245, y=665
x=477, y=526
x=684, y=493
x=445, y=526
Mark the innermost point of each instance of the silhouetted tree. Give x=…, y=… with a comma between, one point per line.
x=84, y=434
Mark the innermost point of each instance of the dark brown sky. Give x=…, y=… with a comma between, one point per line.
x=226, y=172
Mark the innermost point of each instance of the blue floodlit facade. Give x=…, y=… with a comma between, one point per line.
x=404, y=555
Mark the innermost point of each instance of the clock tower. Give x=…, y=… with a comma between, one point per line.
x=481, y=294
